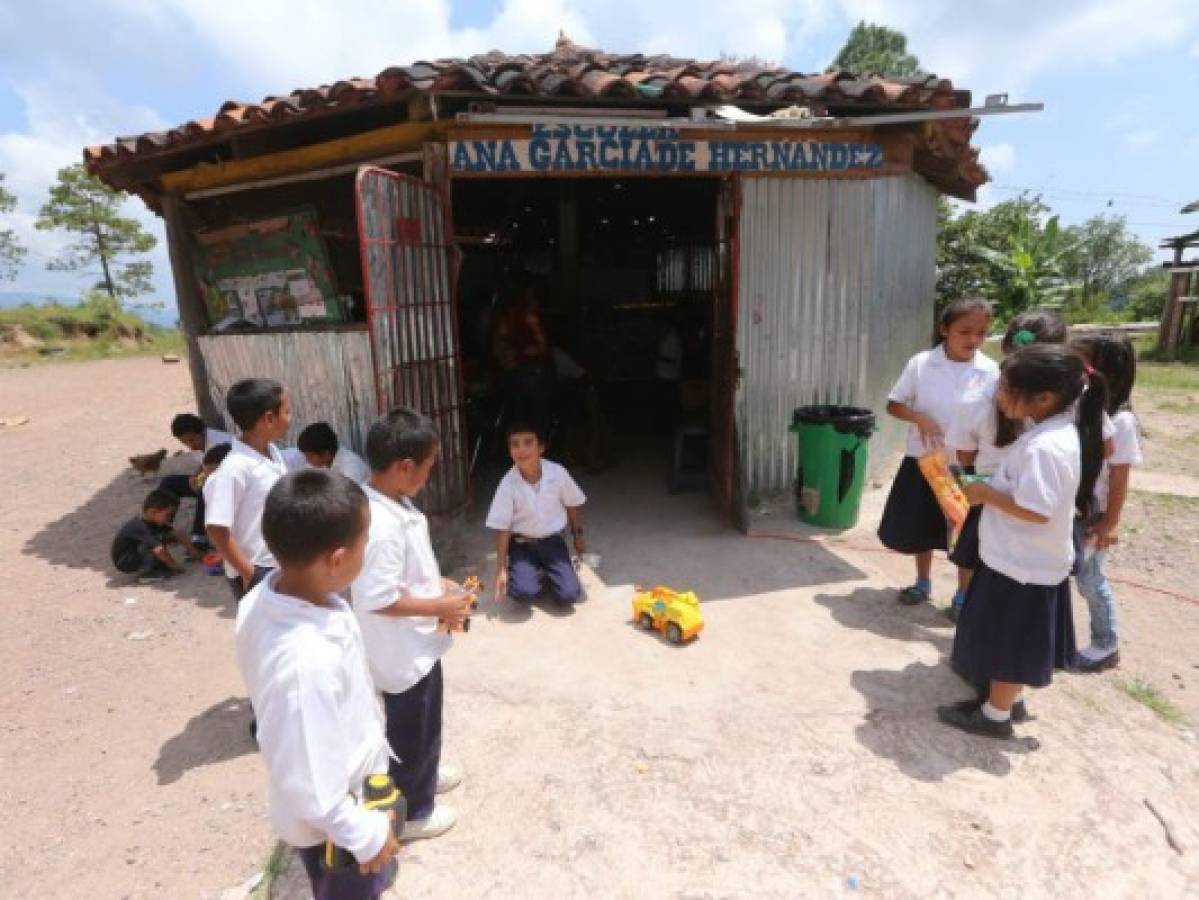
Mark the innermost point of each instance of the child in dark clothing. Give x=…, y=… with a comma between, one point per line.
x=140, y=546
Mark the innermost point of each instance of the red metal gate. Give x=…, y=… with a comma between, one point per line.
x=725, y=364
x=409, y=269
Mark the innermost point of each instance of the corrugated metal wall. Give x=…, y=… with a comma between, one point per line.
x=835, y=292
x=327, y=373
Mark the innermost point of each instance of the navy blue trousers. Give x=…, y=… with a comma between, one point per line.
x=414, y=733
x=348, y=884
x=240, y=590
x=531, y=561
x=181, y=486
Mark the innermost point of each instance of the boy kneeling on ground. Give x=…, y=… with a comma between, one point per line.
x=140, y=546
x=301, y=654
x=532, y=506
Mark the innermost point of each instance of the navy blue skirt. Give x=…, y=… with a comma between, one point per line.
x=912, y=519
x=1013, y=632
x=965, y=551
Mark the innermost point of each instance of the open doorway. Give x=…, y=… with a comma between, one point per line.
x=592, y=307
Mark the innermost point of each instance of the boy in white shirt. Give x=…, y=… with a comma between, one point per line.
x=235, y=492
x=301, y=655
x=190, y=430
x=322, y=450
x=399, y=597
x=533, y=504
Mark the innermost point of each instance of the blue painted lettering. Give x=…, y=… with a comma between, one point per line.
x=758, y=152
x=607, y=161
x=687, y=156
x=838, y=156
x=586, y=161
x=644, y=161
x=485, y=154
x=462, y=161
x=508, y=161
x=539, y=154
x=562, y=160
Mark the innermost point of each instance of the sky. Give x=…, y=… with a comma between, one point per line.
x=1115, y=77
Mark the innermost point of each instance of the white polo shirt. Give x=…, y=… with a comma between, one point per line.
x=320, y=729
x=1126, y=451
x=214, y=437
x=933, y=384
x=534, y=510
x=401, y=650
x=351, y=465
x=1041, y=473
x=973, y=431
x=235, y=494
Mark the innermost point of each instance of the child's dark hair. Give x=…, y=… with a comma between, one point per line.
x=216, y=455
x=959, y=309
x=160, y=498
x=401, y=434
x=520, y=426
x=318, y=437
x=1061, y=372
x=1114, y=358
x=187, y=423
x=312, y=512
x=1036, y=326
x=251, y=399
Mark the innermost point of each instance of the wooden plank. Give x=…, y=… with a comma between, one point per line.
x=392, y=139
x=192, y=314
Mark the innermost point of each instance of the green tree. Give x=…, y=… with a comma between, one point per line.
x=961, y=270
x=1029, y=272
x=90, y=209
x=876, y=50
x=1105, y=257
x=1147, y=296
x=11, y=251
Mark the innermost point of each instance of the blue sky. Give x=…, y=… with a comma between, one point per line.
x=1115, y=77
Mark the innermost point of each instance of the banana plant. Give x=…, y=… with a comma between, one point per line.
x=1029, y=273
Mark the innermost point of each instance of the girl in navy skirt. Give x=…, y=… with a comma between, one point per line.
x=1010, y=631
x=981, y=435
x=934, y=384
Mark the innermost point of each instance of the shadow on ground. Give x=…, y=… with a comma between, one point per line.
x=647, y=536
x=220, y=733
x=901, y=723
x=82, y=538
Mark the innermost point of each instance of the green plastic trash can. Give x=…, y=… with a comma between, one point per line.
x=833, y=449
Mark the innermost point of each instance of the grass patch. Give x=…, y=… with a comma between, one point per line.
x=1150, y=697
x=1167, y=377
x=99, y=329
x=273, y=869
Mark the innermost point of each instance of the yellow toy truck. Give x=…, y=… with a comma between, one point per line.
x=672, y=613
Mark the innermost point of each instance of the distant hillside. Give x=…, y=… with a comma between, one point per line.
x=166, y=318
x=94, y=330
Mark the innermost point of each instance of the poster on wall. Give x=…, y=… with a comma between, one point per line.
x=269, y=273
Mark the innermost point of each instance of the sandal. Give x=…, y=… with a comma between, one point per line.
x=914, y=595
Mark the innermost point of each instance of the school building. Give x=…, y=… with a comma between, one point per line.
x=350, y=240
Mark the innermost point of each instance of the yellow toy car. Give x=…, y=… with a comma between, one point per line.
x=674, y=614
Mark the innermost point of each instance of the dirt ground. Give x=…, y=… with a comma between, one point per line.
x=790, y=751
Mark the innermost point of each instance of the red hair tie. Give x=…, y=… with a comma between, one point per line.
x=1090, y=369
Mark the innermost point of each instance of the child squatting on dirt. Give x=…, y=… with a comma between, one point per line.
x=301, y=655
x=1011, y=631
x=933, y=386
x=140, y=545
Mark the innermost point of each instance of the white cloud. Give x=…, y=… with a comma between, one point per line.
x=1000, y=46
x=1143, y=137
x=63, y=114
x=998, y=158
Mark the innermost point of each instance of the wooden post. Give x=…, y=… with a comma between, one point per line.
x=192, y=313
x=1167, y=336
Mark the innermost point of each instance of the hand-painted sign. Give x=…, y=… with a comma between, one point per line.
x=653, y=150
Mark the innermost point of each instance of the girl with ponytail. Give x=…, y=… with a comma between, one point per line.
x=1015, y=626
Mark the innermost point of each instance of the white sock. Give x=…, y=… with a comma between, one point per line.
x=995, y=715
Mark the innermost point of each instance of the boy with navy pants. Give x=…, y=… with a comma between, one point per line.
x=302, y=657
x=399, y=598
x=533, y=504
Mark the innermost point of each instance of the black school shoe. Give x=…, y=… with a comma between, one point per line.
x=1019, y=711
x=969, y=717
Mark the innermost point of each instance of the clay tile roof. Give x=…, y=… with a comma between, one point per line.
x=569, y=71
